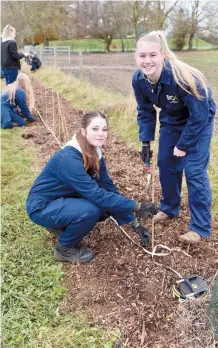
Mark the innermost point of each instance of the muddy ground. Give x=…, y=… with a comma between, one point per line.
x=122, y=287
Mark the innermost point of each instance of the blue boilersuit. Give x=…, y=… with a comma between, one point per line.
x=187, y=123
x=66, y=197
x=9, y=111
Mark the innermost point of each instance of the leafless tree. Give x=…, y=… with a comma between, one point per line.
x=200, y=13
x=31, y=18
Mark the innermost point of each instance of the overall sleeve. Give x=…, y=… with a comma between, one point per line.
x=198, y=119
x=105, y=180
x=146, y=116
x=72, y=172
x=14, y=52
x=20, y=101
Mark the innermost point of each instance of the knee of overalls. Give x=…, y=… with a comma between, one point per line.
x=69, y=211
x=17, y=119
x=196, y=165
x=7, y=125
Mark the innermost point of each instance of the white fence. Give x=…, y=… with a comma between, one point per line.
x=51, y=54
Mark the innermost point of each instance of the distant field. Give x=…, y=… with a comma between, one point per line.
x=207, y=62
x=91, y=45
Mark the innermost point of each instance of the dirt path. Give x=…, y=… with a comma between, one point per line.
x=122, y=287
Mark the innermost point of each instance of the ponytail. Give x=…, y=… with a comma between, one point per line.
x=185, y=75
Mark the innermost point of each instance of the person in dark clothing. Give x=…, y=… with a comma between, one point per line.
x=10, y=57
x=186, y=128
x=74, y=191
x=33, y=60
x=16, y=101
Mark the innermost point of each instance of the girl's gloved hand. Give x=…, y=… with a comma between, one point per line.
x=146, y=152
x=142, y=231
x=145, y=210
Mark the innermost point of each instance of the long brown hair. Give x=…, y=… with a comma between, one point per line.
x=22, y=81
x=185, y=75
x=90, y=155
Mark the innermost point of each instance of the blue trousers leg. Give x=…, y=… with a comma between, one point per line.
x=76, y=216
x=10, y=75
x=170, y=171
x=18, y=119
x=199, y=192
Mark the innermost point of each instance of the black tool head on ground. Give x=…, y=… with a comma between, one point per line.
x=190, y=287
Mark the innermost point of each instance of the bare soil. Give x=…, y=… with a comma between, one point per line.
x=114, y=71
x=122, y=287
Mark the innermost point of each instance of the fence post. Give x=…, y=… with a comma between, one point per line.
x=55, y=55
x=69, y=54
x=80, y=64
x=40, y=52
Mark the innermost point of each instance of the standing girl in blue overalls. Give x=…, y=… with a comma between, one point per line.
x=74, y=191
x=186, y=127
x=17, y=99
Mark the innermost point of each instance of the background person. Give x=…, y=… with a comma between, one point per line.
x=16, y=101
x=186, y=127
x=74, y=191
x=10, y=57
x=33, y=61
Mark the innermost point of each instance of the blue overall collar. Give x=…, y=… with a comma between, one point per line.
x=165, y=77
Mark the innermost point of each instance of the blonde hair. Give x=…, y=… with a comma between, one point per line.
x=8, y=31
x=22, y=81
x=90, y=155
x=185, y=75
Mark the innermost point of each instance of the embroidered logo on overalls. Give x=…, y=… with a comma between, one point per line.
x=173, y=99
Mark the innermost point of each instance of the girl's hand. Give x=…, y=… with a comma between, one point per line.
x=178, y=153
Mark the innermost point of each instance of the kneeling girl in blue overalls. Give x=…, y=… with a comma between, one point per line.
x=74, y=191
x=17, y=99
x=186, y=127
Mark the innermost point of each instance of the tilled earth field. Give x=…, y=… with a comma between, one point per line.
x=114, y=71
x=111, y=71
x=122, y=287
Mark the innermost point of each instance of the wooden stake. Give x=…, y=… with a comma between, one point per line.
x=53, y=113
x=152, y=196
x=59, y=118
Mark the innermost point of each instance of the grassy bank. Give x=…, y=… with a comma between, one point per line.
x=121, y=112
x=32, y=290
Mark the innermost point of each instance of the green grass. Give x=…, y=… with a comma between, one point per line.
x=120, y=112
x=198, y=44
x=92, y=45
x=207, y=62
x=32, y=290
x=79, y=92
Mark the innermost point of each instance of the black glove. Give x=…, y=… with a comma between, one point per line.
x=145, y=210
x=146, y=153
x=142, y=232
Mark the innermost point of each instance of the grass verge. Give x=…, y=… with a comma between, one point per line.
x=121, y=112
x=32, y=290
